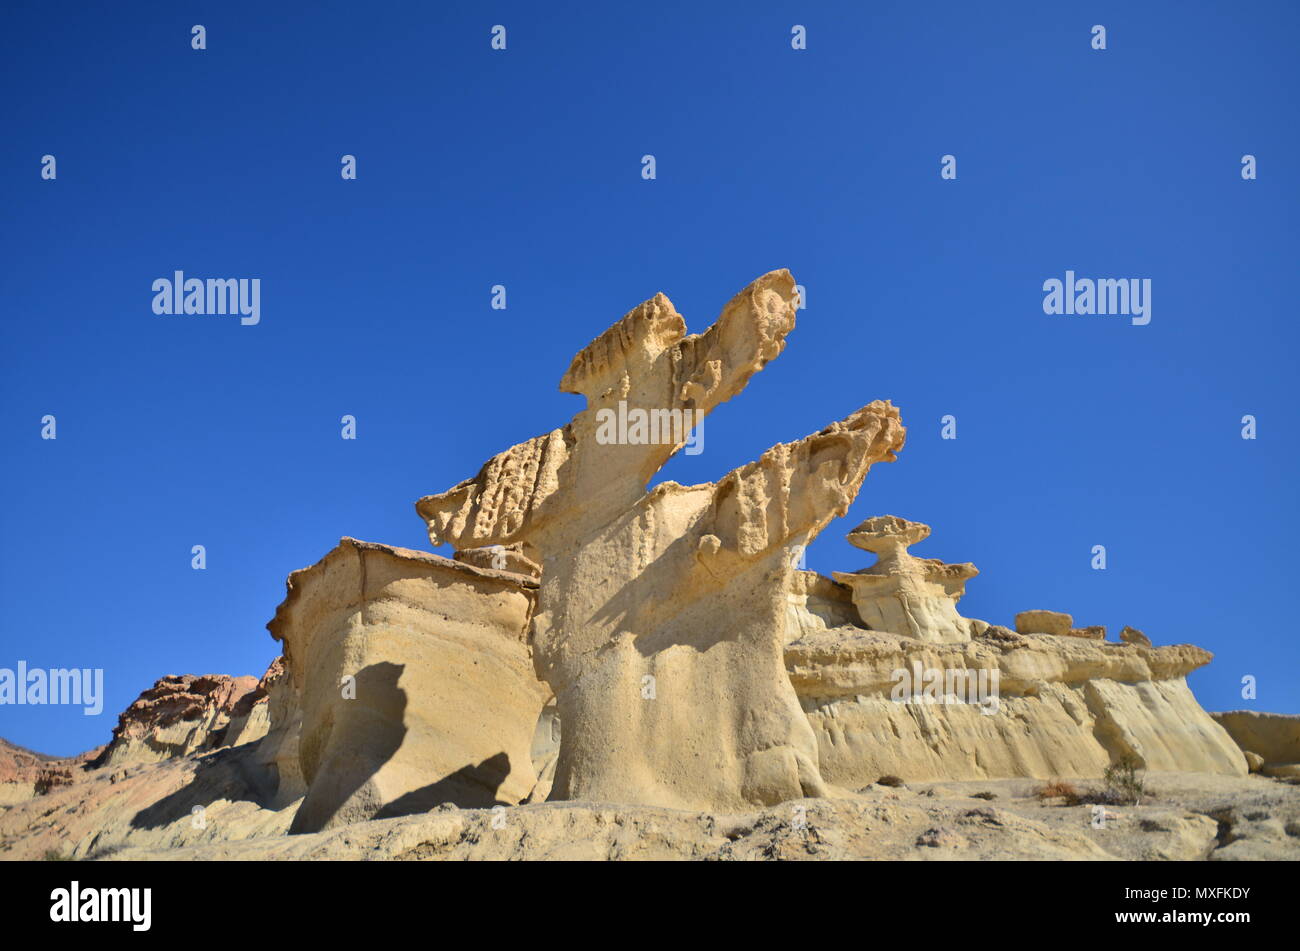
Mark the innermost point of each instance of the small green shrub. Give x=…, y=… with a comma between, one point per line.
x=1122, y=781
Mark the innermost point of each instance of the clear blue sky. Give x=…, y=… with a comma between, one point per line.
x=523, y=168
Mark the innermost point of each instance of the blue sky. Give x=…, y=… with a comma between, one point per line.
x=523, y=167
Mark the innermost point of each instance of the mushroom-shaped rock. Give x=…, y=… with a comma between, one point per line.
x=888, y=535
x=903, y=594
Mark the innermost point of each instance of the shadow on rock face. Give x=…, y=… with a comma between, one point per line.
x=344, y=750
x=348, y=747
x=231, y=775
x=351, y=747
x=471, y=787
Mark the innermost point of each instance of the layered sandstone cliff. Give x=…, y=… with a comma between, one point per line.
x=910, y=688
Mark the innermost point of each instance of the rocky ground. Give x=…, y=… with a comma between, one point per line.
x=209, y=807
x=187, y=777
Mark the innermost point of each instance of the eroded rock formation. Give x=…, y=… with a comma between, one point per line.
x=910, y=688
x=413, y=680
x=902, y=593
x=661, y=615
x=177, y=715
x=1131, y=635
x=1058, y=707
x=1044, y=622
x=594, y=640
x=1272, y=739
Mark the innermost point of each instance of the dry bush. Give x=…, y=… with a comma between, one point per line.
x=1058, y=789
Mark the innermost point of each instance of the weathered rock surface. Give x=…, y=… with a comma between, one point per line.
x=500, y=558
x=1044, y=622
x=414, y=683
x=1062, y=707
x=927, y=701
x=902, y=593
x=250, y=717
x=179, y=714
x=1273, y=737
x=277, y=752
x=1131, y=635
x=661, y=615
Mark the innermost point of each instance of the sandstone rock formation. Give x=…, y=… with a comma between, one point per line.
x=661, y=615
x=660, y=655
x=277, y=752
x=1060, y=707
x=177, y=715
x=904, y=594
x=681, y=642
x=250, y=718
x=1044, y=622
x=1131, y=635
x=500, y=558
x=414, y=683
x=1272, y=738
x=910, y=688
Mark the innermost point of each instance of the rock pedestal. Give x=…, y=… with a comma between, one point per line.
x=414, y=682
x=901, y=593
